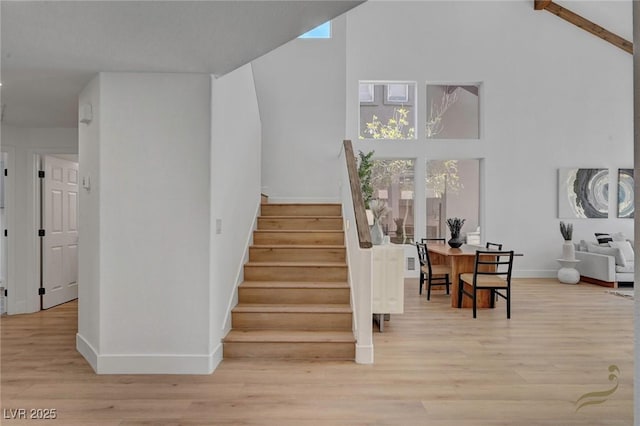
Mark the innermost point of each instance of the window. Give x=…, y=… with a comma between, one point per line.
x=397, y=93
x=366, y=93
x=321, y=31
x=453, y=111
x=393, y=182
x=453, y=190
x=387, y=110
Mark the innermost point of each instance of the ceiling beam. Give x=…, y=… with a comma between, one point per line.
x=584, y=23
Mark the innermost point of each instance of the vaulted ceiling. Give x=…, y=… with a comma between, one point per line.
x=51, y=49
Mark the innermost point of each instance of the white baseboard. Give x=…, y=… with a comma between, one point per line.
x=87, y=351
x=18, y=308
x=364, y=354
x=216, y=357
x=535, y=273
x=148, y=363
x=155, y=364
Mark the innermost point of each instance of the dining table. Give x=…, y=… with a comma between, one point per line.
x=461, y=260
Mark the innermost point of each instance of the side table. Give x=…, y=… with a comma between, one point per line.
x=568, y=273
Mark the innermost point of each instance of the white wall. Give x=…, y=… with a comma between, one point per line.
x=23, y=145
x=153, y=200
x=552, y=96
x=88, y=337
x=300, y=90
x=235, y=188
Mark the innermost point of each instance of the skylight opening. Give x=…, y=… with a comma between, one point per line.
x=321, y=31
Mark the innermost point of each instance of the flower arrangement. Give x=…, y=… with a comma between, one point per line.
x=379, y=209
x=566, y=229
x=455, y=225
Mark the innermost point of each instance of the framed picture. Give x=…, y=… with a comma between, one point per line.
x=625, y=193
x=583, y=193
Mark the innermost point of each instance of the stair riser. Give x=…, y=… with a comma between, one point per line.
x=294, y=295
x=303, y=238
x=275, y=254
x=300, y=223
x=291, y=320
x=328, y=350
x=295, y=273
x=300, y=210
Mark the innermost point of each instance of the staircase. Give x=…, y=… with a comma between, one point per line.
x=295, y=300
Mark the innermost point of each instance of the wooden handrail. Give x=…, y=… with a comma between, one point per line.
x=362, y=225
x=584, y=23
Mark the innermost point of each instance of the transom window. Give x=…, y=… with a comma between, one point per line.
x=321, y=31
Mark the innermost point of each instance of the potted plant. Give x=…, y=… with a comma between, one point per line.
x=455, y=226
x=568, y=250
x=365, y=171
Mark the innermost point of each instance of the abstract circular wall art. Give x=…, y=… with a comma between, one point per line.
x=583, y=193
x=625, y=193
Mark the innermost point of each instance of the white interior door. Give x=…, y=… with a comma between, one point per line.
x=60, y=220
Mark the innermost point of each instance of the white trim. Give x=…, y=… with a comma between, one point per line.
x=157, y=363
x=233, y=299
x=535, y=273
x=216, y=357
x=148, y=364
x=87, y=351
x=364, y=354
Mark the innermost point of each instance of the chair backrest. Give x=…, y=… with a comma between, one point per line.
x=494, y=246
x=423, y=256
x=422, y=253
x=492, y=262
x=433, y=240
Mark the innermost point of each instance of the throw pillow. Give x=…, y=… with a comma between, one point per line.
x=609, y=251
x=603, y=238
x=625, y=248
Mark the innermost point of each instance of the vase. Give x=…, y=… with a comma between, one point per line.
x=376, y=233
x=568, y=251
x=455, y=241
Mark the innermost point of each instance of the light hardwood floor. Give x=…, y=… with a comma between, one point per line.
x=435, y=365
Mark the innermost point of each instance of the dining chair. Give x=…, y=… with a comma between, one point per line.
x=492, y=271
x=494, y=246
x=433, y=274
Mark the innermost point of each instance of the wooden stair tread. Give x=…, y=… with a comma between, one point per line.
x=294, y=284
x=301, y=217
x=293, y=308
x=301, y=231
x=254, y=263
x=305, y=204
x=290, y=336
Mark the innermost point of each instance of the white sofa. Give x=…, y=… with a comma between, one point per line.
x=604, y=269
x=601, y=269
